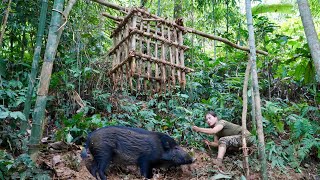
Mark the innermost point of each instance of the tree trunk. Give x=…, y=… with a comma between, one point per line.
x=35, y=64
x=252, y=45
x=244, y=119
x=4, y=23
x=214, y=31
x=311, y=34
x=50, y=53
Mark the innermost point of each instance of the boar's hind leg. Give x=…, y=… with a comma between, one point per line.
x=145, y=168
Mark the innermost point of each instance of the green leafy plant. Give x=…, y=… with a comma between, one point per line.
x=78, y=127
x=21, y=167
x=273, y=112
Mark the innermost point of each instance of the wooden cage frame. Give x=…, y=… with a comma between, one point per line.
x=148, y=54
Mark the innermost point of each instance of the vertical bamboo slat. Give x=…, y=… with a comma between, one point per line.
x=156, y=56
x=171, y=59
x=177, y=54
x=133, y=48
x=140, y=62
x=183, y=74
x=148, y=62
x=114, y=62
x=163, y=67
x=117, y=62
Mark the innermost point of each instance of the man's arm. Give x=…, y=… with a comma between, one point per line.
x=215, y=143
x=214, y=130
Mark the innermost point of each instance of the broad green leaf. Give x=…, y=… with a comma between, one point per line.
x=69, y=138
x=96, y=119
x=4, y=115
x=221, y=176
x=17, y=114
x=87, y=69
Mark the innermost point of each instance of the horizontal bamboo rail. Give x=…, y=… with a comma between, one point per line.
x=148, y=58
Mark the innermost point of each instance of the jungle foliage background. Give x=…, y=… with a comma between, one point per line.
x=288, y=88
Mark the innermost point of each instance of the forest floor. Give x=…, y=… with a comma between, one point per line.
x=68, y=165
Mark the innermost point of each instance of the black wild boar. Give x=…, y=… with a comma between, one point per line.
x=127, y=146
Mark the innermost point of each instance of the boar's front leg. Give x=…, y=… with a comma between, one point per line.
x=103, y=160
x=93, y=169
x=145, y=167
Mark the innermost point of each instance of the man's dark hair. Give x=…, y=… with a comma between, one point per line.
x=212, y=113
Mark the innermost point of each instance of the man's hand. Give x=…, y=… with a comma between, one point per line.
x=195, y=128
x=207, y=142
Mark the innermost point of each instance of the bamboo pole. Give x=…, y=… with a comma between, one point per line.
x=177, y=55
x=163, y=67
x=244, y=120
x=171, y=60
x=133, y=48
x=111, y=5
x=140, y=60
x=183, y=74
x=156, y=64
x=39, y=110
x=262, y=151
x=226, y=41
x=35, y=64
x=117, y=19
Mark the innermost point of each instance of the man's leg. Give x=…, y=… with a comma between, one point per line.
x=221, y=152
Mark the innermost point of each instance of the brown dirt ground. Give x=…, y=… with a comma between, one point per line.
x=68, y=165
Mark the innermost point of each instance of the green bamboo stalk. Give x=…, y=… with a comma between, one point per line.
x=253, y=57
x=35, y=64
x=51, y=48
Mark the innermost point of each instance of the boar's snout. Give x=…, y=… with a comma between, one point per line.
x=177, y=156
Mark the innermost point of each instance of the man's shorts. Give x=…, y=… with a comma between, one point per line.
x=235, y=141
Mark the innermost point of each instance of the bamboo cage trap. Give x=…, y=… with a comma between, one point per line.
x=148, y=54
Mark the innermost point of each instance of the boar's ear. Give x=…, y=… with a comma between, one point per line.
x=167, y=142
